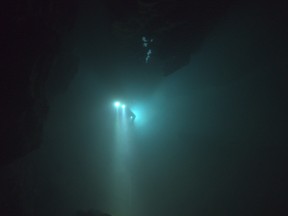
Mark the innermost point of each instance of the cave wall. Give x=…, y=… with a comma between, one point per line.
x=34, y=32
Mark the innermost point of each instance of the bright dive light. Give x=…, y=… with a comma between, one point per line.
x=123, y=106
x=117, y=104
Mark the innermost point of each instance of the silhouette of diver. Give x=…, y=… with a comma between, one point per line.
x=130, y=114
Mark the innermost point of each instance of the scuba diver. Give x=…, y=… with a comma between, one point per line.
x=130, y=114
x=125, y=110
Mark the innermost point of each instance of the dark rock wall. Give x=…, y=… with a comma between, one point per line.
x=34, y=46
x=32, y=34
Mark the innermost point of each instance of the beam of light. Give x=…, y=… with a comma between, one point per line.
x=117, y=104
x=121, y=183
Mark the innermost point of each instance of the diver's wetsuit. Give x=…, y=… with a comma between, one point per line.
x=130, y=114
